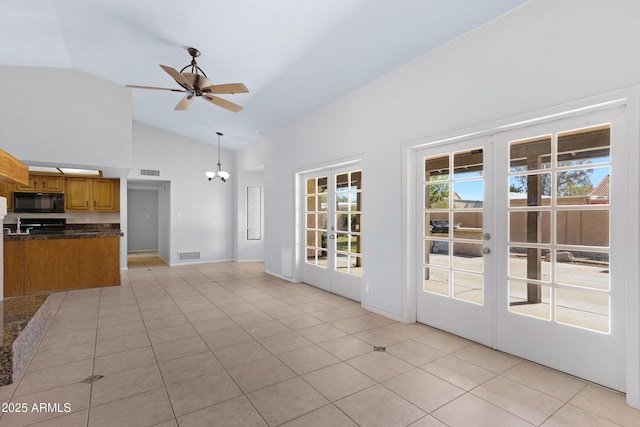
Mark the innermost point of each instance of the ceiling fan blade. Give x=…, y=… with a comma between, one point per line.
x=155, y=88
x=185, y=103
x=226, y=88
x=177, y=76
x=222, y=103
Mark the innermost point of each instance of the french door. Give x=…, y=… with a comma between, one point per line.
x=455, y=263
x=522, y=241
x=333, y=230
x=561, y=280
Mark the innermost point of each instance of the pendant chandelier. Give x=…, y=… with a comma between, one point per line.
x=219, y=173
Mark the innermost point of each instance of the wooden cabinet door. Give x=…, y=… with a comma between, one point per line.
x=78, y=194
x=52, y=184
x=104, y=194
x=32, y=185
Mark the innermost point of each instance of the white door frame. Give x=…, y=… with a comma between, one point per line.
x=410, y=228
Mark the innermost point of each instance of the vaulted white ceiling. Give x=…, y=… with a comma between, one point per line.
x=294, y=56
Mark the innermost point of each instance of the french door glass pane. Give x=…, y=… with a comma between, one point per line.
x=519, y=301
x=530, y=155
x=436, y=280
x=468, y=287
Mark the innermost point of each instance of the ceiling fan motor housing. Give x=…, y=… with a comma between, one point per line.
x=198, y=81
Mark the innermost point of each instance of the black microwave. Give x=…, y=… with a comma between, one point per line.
x=38, y=202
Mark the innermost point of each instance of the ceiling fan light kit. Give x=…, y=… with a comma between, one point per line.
x=219, y=173
x=195, y=83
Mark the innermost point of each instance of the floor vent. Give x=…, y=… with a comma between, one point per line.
x=149, y=172
x=186, y=256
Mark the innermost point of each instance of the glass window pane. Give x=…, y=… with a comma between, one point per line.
x=342, y=242
x=468, y=194
x=311, y=203
x=530, y=226
x=342, y=202
x=322, y=202
x=467, y=256
x=583, y=227
x=436, y=168
x=467, y=225
x=356, y=180
x=436, y=280
x=355, y=222
x=529, y=263
x=530, y=190
x=583, y=268
x=311, y=238
x=530, y=155
x=342, y=262
x=322, y=184
x=436, y=196
x=584, y=146
x=342, y=182
x=585, y=309
x=311, y=256
x=436, y=224
x=342, y=222
x=323, y=240
x=311, y=186
x=311, y=220
x=468, y=287
x=519, y=300
x=436, y=252
x=322, y=221
x=583, y=186
x=468, y=164
x=354, y=243
x=322, y=259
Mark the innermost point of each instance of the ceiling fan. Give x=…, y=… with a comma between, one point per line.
x=194, y=82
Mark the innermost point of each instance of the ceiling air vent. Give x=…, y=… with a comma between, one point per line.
x=149, y=172
x=187, y=256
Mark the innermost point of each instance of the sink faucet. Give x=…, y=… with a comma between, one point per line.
x=18, y=225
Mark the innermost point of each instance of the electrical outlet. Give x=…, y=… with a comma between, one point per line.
x=367, y=286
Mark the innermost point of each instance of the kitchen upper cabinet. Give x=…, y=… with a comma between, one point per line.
x=92, y=194
x=106, y=194
x=45, y=183
x=78, y=194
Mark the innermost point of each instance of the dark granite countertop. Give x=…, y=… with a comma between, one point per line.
x=67, y=234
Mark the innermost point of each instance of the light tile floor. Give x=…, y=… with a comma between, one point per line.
x=225, y=344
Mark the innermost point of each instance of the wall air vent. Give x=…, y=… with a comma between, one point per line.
x=188, y=256
x=149, y=172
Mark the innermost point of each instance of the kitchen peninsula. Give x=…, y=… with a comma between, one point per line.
x=81, y=256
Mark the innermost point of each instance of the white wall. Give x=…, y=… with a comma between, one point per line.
x=544, y=53
x=64, y=117
x=202, y=212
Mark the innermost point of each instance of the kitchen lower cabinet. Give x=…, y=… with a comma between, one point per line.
x=37, y=266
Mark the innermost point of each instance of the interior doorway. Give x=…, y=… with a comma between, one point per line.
x=149, y=217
